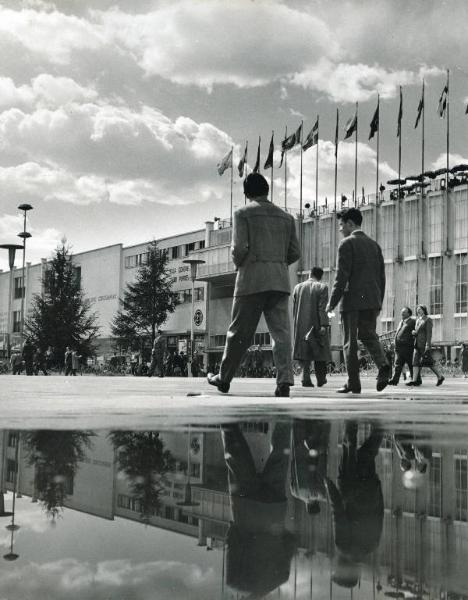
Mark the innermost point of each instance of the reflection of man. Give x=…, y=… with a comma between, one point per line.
x=357, y=505
x=264, y=243
x=28, y=357
x=404, y=345
x=259, y=548
x=360, y=285
x=311, y=323
x=158, y=354
x=309, y=458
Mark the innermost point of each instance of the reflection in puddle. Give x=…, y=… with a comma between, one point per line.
x=292, y=508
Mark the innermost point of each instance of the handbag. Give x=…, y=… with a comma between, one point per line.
x=426, y=359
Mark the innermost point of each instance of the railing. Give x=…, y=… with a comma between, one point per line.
x=218, y=268
x=220, y=237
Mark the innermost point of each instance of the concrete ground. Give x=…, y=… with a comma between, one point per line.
x=142, y=403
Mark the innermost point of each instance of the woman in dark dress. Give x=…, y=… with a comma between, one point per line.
x=422, y=356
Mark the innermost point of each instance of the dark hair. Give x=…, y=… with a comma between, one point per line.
x=317, y=272
x=408, y=309
x=350, y=214
x=255, y=185
x=423, y=307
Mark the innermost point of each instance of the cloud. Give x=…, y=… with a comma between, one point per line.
x=454, y=159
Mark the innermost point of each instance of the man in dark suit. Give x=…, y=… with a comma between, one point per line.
x=404, y=345
x=360, y=285
x=264, y=244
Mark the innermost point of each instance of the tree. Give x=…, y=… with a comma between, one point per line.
x=144, y=460
x=147, y=301
x=61, y=316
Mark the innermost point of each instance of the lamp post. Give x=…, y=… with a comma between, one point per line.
x=24, y=235
x=187, y=501
x=193, y=262
x=12, y=248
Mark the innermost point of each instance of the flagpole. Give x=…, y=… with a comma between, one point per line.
x=378, y=148
x=245, y=166
x=336, y=153
x=423, y=190
x=285, y=173
x=355, y=157
x=316, y=166
x=271, y=175
x=300, y=206
x=232, y=178
x=447, y=244
x=399, y=151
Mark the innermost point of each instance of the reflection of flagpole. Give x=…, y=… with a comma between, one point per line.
x=286, y=173
x=447, y=243
x=355, y=157
x=399, y=143
x=378, y=148
x=232, y=177
x=336, y=153
x=271, y=173
x=301, y=215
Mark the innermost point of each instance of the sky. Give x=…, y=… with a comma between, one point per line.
x=115, y=113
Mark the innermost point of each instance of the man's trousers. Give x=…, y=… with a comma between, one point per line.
x=360, y=324
x=246, y=313
x=403, y=356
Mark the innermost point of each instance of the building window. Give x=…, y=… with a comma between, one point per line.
x=12, y=469
x=77, y=275
x=218, y=340
x=461, y=488
x=434, y=218
x=185, y=296
x=199, y=294
x=435, y=486
x=435, y=286
x=262, y=339
x=411, y=228
x=194, y=469
x=16, y=321
x=461, y=328
x=174, y=252
x=13, y=437
x=387, y=308
x=19, y=287
x=387, y=230
x=367, y=224
x=189, y=248
x=325, y=230
x=201, y=244
x=461, y=291
x=461, y=221
x=411, y=280
x=169, y=512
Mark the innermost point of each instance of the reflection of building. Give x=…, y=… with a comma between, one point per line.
x=425, y=535
x=120, y=266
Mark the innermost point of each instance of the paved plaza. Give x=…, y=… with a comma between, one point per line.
x=139, y=402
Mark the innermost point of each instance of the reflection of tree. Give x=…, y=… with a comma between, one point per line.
x=55, y=456
x=143, y=459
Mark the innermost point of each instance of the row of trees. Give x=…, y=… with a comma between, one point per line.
x=61, y=316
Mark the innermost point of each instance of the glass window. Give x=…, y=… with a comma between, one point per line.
x=461, y=220
x=435, y=286
x=368, y=222
x=175, y=252
x=461, y=329
x=19, y=287
x=16, y=321
x=189, y=248
x=13, y=438
x=325, y=232
x=434, y=218
x=387, y=308
x=11, y=470
x=199, y=294
x=411, y=282
x=461, y=290
x=461, y=488
x=410, y=226
x=218, y=340
x=201, y=244
x=435, y=486
x=387, y=229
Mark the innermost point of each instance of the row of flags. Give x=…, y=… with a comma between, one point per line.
x=311, y=139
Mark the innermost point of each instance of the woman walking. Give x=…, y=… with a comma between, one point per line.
x=422, y=355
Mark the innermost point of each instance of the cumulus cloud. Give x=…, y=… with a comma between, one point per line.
x=454, y=159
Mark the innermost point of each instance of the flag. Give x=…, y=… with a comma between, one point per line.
x=292, y=140
x=400, y=114
x=256, y=169
x=269, y=161
x=466, y=110
x=351, y=126
x=225, y=163
x=312, y=138
x=420, y=108
x=374, y=126
x=243, y=161
x=443, y=102
x=336, y=133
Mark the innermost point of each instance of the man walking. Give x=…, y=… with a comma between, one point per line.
x=311, y=342
x=158, y=354
x=404, y=345
x=264, y=244
x=360, y=285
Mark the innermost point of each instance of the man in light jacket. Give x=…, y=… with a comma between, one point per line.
x=264, y=244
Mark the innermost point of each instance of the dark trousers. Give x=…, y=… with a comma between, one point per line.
x=320, y=367
x=403, y=356
x=246, y=313
x=359, y=462
x=360, y=324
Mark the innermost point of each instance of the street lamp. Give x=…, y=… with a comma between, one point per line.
x=193, y=262
x=24, y=235
x=12, y=248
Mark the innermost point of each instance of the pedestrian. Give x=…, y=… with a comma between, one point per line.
x=404, y=345
x=39, y=362
x=464, y=359
x=158, y=354
x=49, y=358
x=422, y=355
x=16, y=361
x=76, y=362
x=264, y=244
x=68, y=361
x=360, y=285
x=28, y=356
x=311, y=338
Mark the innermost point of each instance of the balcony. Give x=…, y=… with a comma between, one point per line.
x=218, y=263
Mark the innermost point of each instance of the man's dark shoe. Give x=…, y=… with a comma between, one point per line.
x=383, y=377
x=282, y=390
x=410, y=383
x=347, y=390
x=216, y=381
x=321, y=382
x=392, y=382
x=440, y=381
x=307, y=384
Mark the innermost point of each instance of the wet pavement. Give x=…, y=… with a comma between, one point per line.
x=138, y=491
